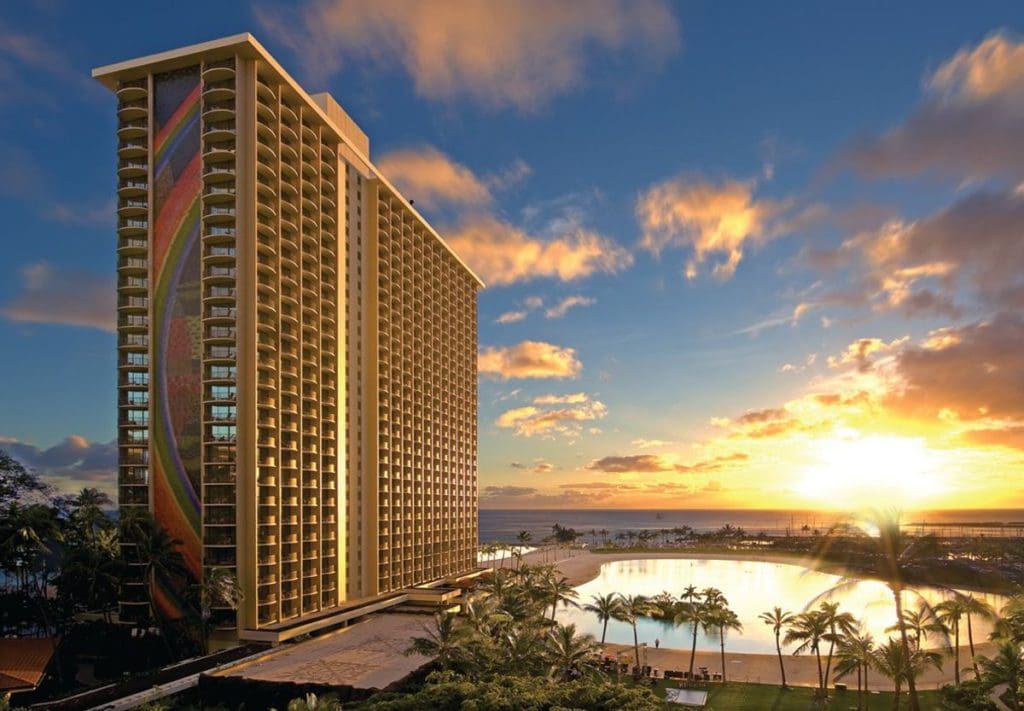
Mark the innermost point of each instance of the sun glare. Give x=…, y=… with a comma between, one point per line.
x=855, y=471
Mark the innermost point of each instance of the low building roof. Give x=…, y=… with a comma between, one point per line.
x=23, y=662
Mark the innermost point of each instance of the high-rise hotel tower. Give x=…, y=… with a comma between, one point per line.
x=297, y=398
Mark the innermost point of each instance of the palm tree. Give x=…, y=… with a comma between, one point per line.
x=949, y=613
x=1006, y=667
x=606, y=607
x=895, y=555
x=839, y=625
x=777, y=619
x=570, y=655
x=920, y=623
x=631, y=608
x=720, y=617
x=809, y=629
x=443, y=643
x=691, y=613
x=855, y=655
x=893, y=662
x=312, y=702
x=218, y=589
x=890, y=661
x=559, y=590
x=978, y=608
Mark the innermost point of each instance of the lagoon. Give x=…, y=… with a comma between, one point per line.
x=751, y=588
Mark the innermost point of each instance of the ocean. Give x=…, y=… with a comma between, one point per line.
x=503, y=525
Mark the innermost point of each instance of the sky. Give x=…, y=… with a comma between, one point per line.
x=750, y=255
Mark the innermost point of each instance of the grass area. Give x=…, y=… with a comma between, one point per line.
x=764, y=697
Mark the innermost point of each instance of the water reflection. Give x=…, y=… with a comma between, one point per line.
x=752, y=588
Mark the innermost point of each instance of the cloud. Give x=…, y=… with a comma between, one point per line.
x=498, y=54
x=967, y=125
x=713, y=464
x=492, y=491
x=87, y=215
x=809, y=361
x=24, y=57
x=529, y=359
x=529, y=497
x=917, y=267
x=58, y=296
x=710, y=219
x=761, y=424
x=1011, y=437
x=571, y=399
x=431, y=178
x=649, y=443
x=539, y=466
x=635, y=463
x=562, y=307
x=859, y=352
x=567, y=421
x=503, y=254
x=71, y=464
x=975, y=373
x=510, y=317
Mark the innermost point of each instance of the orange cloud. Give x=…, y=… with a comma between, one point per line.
x=860, y=351
x=993, y=68
x=722, y=219
x=498, y=53
x=635, y=463
x=510, y=317
x=529, y=359
x=503, y=254
x=57, y=296
x=562, y=307
x=571, y=399
x=432, y=178
x=967, y=125
x=529, y=421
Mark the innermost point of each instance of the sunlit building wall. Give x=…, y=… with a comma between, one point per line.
x=296, y=348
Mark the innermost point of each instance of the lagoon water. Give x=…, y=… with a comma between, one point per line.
x=751, y=588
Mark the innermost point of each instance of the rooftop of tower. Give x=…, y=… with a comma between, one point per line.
x=328, y=110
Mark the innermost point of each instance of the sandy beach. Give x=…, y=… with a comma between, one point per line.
x=582, y=566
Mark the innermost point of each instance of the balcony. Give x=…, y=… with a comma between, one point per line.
x=133, y=129
x=129, y=167
x=132, y=245
x=134, y=109
x=219, y=91
x=219, y=213
x=219, y=131
x=214, y=111
x=219, y=70
x=219, y=192
x=219, y=172
x=131, y=148
x=132, y=207
x=132, y=187
x=219, y=233
x=220, y=274
x=135, y=265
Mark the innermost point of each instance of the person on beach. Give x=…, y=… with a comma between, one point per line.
x=657, y=642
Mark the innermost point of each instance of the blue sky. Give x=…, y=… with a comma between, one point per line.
x=819, y=146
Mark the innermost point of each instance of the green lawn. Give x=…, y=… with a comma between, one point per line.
x=763, y=697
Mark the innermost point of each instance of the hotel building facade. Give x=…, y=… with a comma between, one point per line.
x=297, y=398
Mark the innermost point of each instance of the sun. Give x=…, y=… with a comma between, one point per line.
x=853, y=471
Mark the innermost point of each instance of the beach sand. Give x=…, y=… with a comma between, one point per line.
x=582, y=566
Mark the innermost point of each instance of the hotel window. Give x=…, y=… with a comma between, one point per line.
x=222, y=392
x=223, y=433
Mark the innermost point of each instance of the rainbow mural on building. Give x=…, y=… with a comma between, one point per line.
x=176, y=425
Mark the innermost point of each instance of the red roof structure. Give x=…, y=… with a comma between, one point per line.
x=23, y=662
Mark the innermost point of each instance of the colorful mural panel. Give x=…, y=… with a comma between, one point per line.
x=177, y=324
